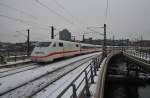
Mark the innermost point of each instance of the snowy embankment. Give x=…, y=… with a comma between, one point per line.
x=14, y=70
x=15, y=63
x=93, y=87
x=53, y=90
x=15, y=80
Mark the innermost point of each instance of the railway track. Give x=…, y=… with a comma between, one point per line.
x=18, y=69
x=34, y=86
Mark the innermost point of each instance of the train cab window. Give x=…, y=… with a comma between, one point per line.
x=54, y=45
x=43, y=44
x=60, y=44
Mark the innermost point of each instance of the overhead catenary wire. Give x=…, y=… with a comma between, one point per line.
x=42, y=4
x=21, y=11
x=76, y=20
x=95, y=31
x=68, y=12
x=105, y=19
x=18, y=10
x=54, y=12
x=14, y=19
x=61, y=16
x=23, y=21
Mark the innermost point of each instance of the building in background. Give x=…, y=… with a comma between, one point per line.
x=65, y=35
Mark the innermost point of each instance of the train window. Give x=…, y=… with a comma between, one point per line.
x=60, y=44
x=87, y=47
x=54, y=45
x=77, y=45
x=43, y=44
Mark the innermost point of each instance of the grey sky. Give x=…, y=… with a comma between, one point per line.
x=126, y=18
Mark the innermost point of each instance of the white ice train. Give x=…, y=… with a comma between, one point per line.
x=49, y=50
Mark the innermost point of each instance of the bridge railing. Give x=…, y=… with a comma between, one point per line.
x=82, y=81
x=139, y=54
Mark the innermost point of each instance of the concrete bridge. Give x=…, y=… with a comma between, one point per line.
x=136, y=61
x=94, y=77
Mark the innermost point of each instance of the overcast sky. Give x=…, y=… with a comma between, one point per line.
x=126, y=18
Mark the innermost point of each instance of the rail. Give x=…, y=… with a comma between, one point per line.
x=82, y=81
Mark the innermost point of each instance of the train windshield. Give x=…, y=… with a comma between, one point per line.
x=43, y=44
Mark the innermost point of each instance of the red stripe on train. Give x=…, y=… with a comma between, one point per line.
x=54, y=53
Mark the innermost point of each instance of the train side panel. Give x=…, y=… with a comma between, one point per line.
x=48, y=51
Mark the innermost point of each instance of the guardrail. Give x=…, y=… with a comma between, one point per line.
x=82, y=82
x=142, y=55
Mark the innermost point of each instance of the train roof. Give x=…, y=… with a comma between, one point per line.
x=83, y=44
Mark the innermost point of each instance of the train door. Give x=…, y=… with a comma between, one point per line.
x=61, y=49
x=65, y=49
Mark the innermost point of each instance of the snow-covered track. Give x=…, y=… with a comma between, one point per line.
x=14, y=64
x=18, y=69
x=31, y=87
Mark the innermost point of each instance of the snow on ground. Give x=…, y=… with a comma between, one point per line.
x=13, y=70
x=57, y=87
x=12, y=81
x=17, y=62
x=93, y=86
x=54, y=90
x=31, y=87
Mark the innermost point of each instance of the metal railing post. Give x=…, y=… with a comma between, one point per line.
x=96, y=64
x=92, y=76
x=146, y=55
x=140, y=54
x=74, y=91
x=95, y=69
x=87, y=85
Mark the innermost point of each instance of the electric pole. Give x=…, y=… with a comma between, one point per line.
x=113, y=42
x=122, y=44
x=104, y=42
x=52, y=32
x=28, y=43
x=83, y=37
